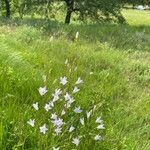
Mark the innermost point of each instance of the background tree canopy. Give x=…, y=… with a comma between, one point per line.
x=95, y=10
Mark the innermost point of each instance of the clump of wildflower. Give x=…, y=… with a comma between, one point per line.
x=56, y=95
x=57, y=123
x=100, y=123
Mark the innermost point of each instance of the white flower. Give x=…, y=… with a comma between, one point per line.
x=77, y=35
x=54, y=148
x=63, y=112
x=82, y=121
x=58, y=122
x=68, y=104
x=76, y=89
x=44, y=78
x=31, y=122
x=42, y=90
x=35, y=106
x=71, y=128
x=58, y=130
x=51, y=103
x=55, y=98
x=76, y=141
x=98, y=138
x=88, y=114
x=77, y=110
x=63, y=80
x=58, y=91
x=54, y=116
x=66, y=61
x=79, y=81
x=67, y=97
x=43, y=129
x=47, y=107
x=71, y=101
x=101, y=126
x=56, y=95
x=99, y=120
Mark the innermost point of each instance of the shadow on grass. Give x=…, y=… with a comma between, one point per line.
x=123, y=37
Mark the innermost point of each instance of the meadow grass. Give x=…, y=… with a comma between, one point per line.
x=118, y=57
x=136, y=17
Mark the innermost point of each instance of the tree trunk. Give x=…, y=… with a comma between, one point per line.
x=7, y=4
x=70, y=7
x=133, y=6
x=47, y=9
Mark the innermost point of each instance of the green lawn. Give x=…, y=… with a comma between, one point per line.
x=136, y=17
x=114, y=63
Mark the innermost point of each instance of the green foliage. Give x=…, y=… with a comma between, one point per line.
x=96, y=10
x=137, y=2
x=99, y=10
x=24, y=7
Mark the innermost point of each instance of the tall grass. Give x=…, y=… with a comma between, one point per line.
x=118, y=57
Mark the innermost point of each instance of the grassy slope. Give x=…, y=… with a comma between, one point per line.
x=119, y=56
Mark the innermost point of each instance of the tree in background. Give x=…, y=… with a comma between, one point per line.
x=87, y=10
x=70, y=10
x=96, y=10
x=136, y=2
x=7, y=6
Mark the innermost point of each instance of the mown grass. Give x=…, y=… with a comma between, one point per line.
x=118, y=56
x=136, y=17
